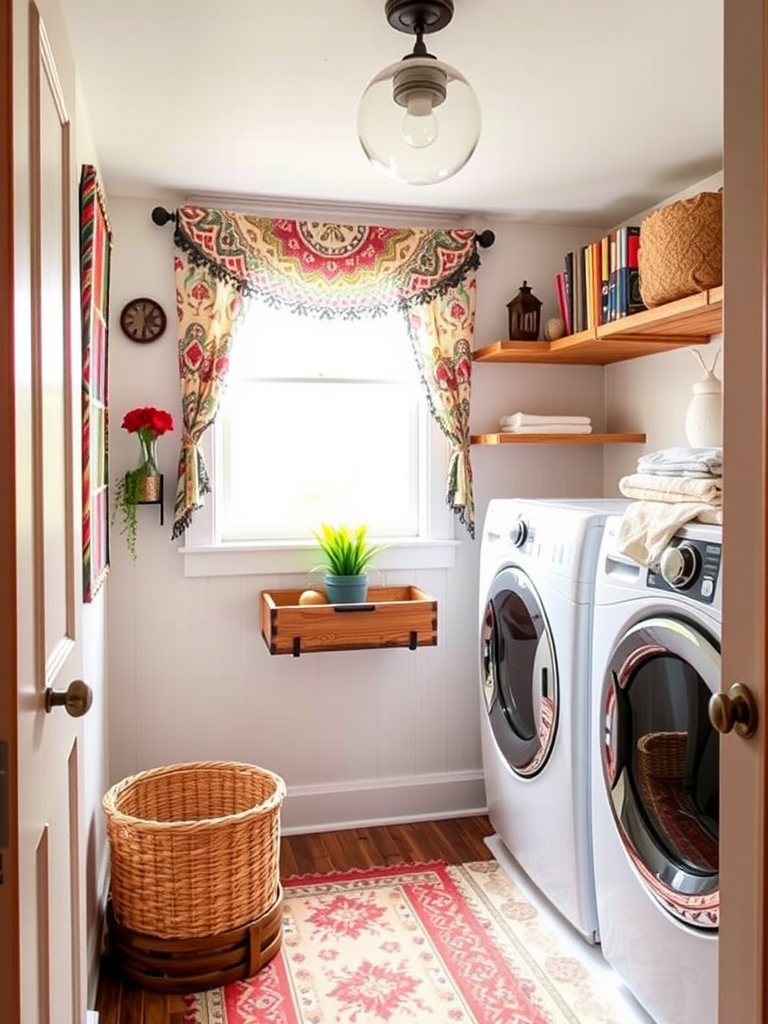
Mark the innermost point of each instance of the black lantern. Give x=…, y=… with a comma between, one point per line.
x=524, y=315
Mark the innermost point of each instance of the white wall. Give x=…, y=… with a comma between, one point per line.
x=652, y=394
x=95, y=724
x=360, y=735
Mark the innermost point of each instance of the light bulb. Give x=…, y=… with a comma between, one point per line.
x=420, y=132
x=398, y=127
x=420, y=126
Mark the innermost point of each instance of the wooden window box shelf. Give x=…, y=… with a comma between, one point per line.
x=391, y=617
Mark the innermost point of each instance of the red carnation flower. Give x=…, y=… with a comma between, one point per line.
x=148, y=421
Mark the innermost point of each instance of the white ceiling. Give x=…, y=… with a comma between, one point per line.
x=592, y=109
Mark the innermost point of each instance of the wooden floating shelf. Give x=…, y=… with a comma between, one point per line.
x=689, y=321
x=508, y=438
x=391, y=617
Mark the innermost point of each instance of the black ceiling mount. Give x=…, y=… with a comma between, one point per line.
x=419, y=16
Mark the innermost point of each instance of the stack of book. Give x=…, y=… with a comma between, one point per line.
x=600, y=282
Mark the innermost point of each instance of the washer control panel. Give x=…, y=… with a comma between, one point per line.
x=544, y=541
x=687, y=566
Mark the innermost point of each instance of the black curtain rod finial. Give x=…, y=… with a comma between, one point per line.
x=485, y=239
x=161, y=216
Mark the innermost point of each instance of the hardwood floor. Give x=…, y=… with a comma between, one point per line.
x=456, y=841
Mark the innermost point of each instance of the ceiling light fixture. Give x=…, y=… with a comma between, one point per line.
x=419, y=119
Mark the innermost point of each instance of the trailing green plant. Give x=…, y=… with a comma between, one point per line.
x=127, y=492
x=345, y=549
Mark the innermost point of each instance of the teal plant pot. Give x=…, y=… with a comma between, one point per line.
x=346, y=589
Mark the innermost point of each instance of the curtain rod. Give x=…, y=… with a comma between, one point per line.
x=161, y=217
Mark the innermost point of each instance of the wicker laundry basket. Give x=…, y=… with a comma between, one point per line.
x=681, y=249
x=194, y=847
x=676, y=817
x=661, y=755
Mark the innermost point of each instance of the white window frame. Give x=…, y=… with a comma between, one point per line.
x=205, y=556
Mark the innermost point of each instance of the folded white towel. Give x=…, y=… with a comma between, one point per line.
x=648, y=526
x=550, y=428
x=694, y=462
x=527, y=419
x=682, y=471
x=672, y=489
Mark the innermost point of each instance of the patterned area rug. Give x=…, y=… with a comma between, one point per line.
x=409, y=945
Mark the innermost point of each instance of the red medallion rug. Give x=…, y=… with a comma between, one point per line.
x=408, y=945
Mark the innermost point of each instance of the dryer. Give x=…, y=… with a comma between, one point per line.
x=655, y=788
x=537, y=567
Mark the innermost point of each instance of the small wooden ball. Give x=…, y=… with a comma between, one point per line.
x=312, y=597
x=555, y=329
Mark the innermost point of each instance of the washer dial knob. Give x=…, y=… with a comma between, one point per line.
x=519, y=533
x=679, y=566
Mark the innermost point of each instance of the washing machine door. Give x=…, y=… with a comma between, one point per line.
x=519, y=672
x=660, y=762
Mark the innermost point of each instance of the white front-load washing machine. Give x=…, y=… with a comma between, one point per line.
x=656, y=663
x=537, y=567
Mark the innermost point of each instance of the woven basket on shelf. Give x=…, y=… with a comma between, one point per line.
x=194, y=847
x=681, y=249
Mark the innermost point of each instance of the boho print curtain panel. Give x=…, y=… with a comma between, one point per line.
x=325, y=270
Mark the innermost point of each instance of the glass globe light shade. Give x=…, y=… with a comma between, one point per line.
x=419, y=121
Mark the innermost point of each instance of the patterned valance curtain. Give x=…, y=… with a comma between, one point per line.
x=326, y=270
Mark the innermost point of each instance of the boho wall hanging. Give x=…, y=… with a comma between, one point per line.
x=95, y=256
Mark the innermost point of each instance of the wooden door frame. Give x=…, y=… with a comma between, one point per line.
x=10, y=968
x=742, y=947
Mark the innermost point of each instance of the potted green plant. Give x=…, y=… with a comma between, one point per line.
x=141, y=484
x=347, y=556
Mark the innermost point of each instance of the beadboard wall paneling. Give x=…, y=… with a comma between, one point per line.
x=357, y=735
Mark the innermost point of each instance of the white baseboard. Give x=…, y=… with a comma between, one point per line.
x=326, y=808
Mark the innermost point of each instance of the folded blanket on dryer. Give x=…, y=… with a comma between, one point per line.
x=646, y=487
x=711, y=516
x=680, y=461
x=648, y=526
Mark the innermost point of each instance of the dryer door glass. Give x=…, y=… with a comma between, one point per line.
x=660, y=759
x=519, y=672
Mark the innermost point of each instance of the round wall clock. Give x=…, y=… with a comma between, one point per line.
x=143, y=320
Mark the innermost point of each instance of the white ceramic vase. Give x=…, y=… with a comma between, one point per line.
x=704, y=418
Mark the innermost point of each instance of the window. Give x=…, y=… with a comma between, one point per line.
x=320, y=420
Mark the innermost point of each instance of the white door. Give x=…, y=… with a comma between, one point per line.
x=742, y=974
x=40, y=622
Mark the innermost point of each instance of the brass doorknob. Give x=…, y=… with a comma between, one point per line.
x=76, y=699
x=734, y=710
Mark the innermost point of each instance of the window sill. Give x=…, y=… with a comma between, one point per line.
x=291, y=557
